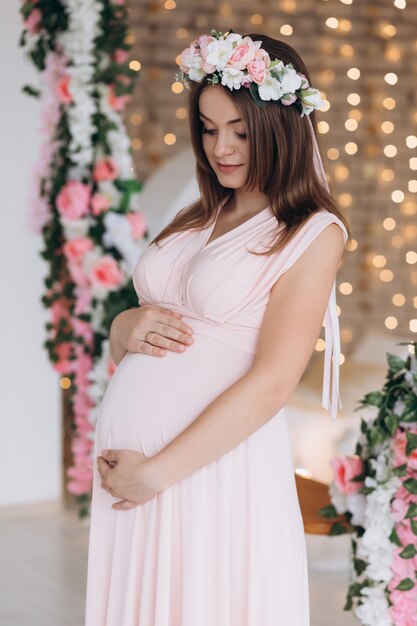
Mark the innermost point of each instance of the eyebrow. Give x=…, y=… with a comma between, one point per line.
x=238, y=119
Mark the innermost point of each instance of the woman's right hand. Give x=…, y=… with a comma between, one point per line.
x=150, y=330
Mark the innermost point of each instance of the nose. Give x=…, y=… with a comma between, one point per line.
x=223, y=145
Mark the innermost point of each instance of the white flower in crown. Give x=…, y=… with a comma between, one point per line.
x=232, y=78
x=290, y=80
x=271, y=88
x=219, y=52
x=310, y=99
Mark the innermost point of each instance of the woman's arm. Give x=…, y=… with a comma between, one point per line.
x=290, y=329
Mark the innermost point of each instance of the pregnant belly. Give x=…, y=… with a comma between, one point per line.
x=149, y=400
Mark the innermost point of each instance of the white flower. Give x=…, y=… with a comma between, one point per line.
x=234, y=37
x=118, y=234
x=195, y=64
x=270, y=89
x=219, y=52
x=374, y=611
x=356, y=504
x=339, y=499
x=107, y=189
x=290, y=80
x=75, y=228
x=311, y=99
x=232, y=78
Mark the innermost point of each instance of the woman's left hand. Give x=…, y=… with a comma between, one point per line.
x=126, y=474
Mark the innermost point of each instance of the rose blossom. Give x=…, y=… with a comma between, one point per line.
x=72, y=201
x=345, y=470
x=120, y=55
x=106, y=169
x=106, y=273
x=244, y=53
x=203, y=41
x=63, y=90
x=99, y=204
x=74, y=249
x=137, y=224
x=399, y=446
x=117, y=103
x=32, y=22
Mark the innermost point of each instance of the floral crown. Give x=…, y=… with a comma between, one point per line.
x=239, y=61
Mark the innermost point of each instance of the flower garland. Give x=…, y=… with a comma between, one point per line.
x=236, y=61
x=85, y=199
x=376, y=490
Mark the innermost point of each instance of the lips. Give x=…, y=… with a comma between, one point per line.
x=228, y=168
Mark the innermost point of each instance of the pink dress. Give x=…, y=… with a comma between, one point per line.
x=225, y=546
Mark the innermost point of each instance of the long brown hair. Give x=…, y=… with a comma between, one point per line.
x=280, y=162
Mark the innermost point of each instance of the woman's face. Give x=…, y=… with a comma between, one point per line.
x=224, y=137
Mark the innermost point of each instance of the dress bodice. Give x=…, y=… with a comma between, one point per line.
x=225, y=289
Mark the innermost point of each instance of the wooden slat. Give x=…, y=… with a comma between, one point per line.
x=314, y=495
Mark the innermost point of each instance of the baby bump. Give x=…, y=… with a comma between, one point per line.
x=149, y=400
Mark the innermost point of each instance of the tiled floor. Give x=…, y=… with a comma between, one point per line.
x=43, y=570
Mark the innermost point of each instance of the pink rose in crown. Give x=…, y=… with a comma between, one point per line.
x=73, y=199
x=258, y=68
x=117, y=103
x=345, y=469
x=202, y=42
x=33, y=21
x=185, y=59
x=399, y=447
x=137, y=224
x=106, y=273
x=244, y=53
x=99, y=204
x=120, y=55
x=105, y=169
x=63, y=90
x=75, y=249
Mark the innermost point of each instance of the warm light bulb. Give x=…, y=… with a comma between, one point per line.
x=387, y=127
x=390, y=151
x=397, y=196
x=391, y=78
x=353, y=73
x=389, y=223
x=353, y=99
x=391, y=322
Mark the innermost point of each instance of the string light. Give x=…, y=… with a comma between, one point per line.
x=411, y=141
x=391, y=78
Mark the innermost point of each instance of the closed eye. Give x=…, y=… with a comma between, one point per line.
x=211, y=131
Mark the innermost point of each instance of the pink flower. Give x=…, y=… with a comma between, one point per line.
x=120, y=55
x=117, y=103
x=106, y=169
x=137, y=224
x=64, y=365
x=404, y=608
x=202, y=42
x=405, y=533
x=185, y=59
x=32, y=22
x=257, y=71
x=399, y=447
x=99, y=204
x=72, y=201
x=402, y=568
x=63, y=91
x=106, y=273
x=78, y=274
x=345, y=470
x=244, y=53
x=75, y=249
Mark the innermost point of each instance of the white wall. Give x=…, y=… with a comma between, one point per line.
x=30, y=420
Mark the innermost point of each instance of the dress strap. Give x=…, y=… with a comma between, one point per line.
x=331, y=357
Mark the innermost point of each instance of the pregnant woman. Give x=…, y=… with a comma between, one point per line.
x=195, y=519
